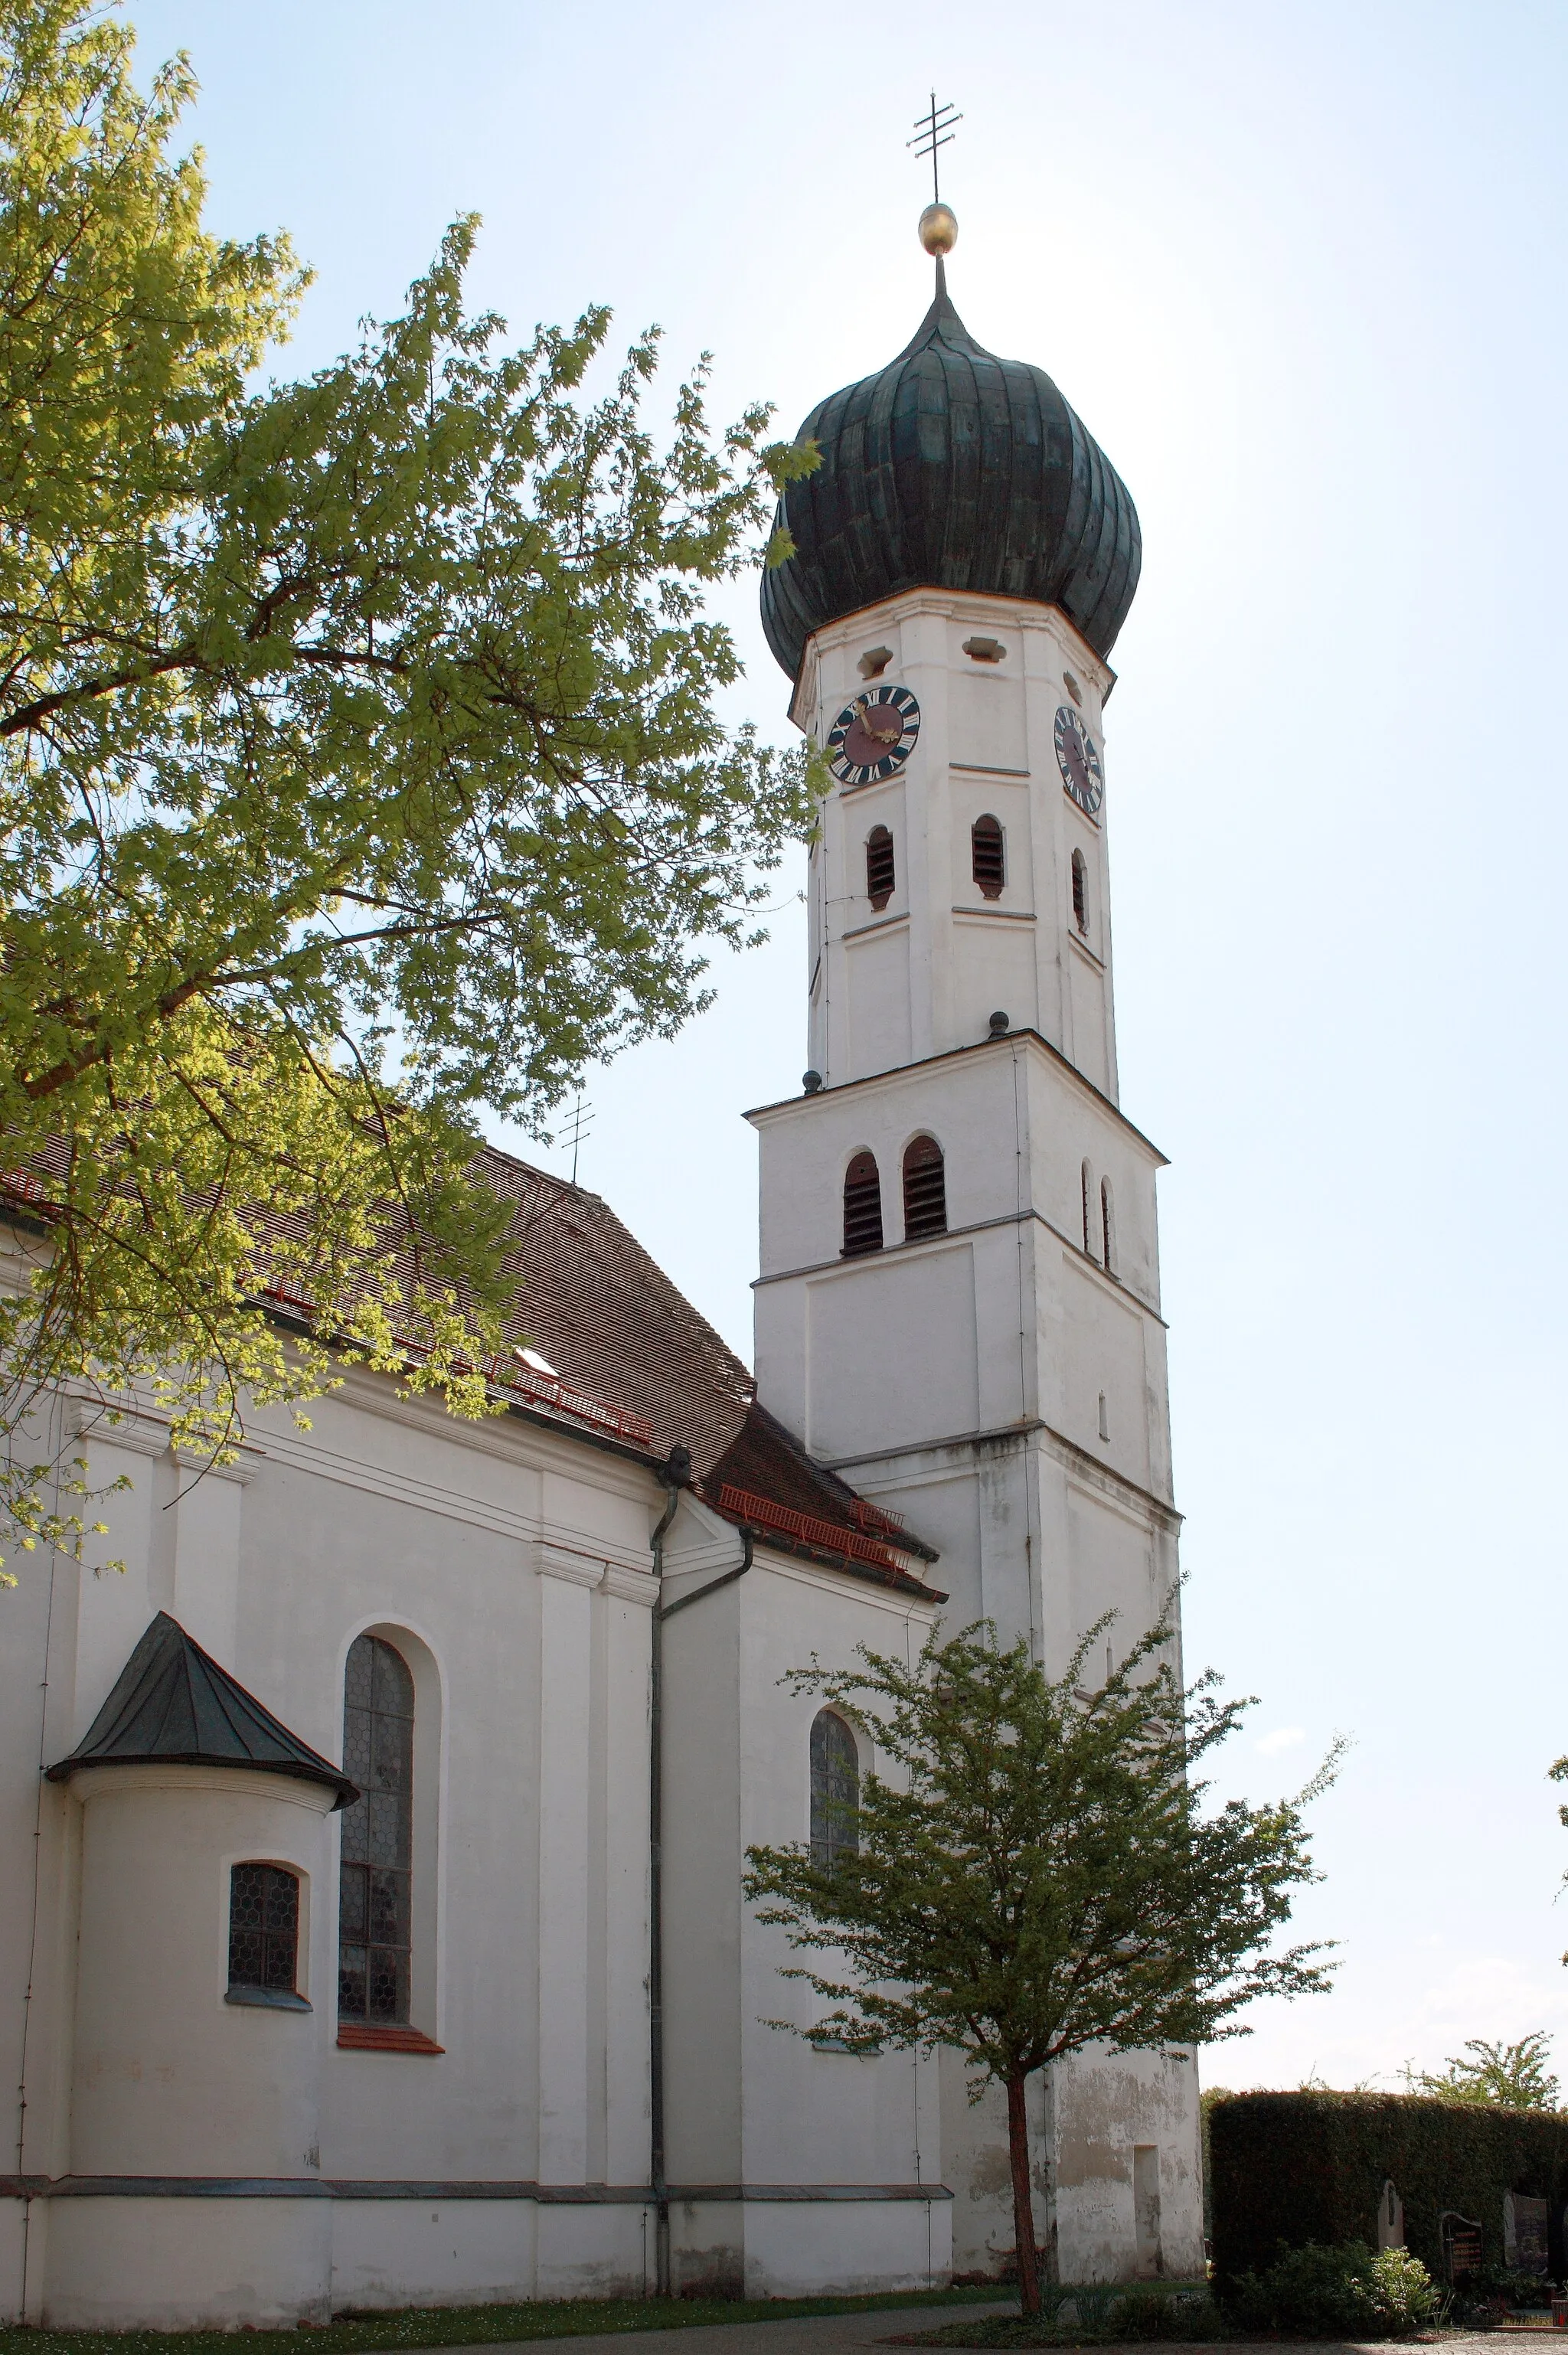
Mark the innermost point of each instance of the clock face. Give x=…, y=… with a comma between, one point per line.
x=873, y=736
x=1079, y=760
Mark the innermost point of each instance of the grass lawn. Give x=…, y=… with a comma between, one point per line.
x=473, y=2326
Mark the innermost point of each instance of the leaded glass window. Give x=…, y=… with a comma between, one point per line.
x=835, y=1789
x=373, y=1922
x=263, y=1928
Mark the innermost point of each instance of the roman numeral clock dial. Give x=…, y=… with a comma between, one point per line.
x=1078, y=759
x=874, y=736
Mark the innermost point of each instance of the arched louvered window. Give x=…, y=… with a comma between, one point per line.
x=925, y=1190
x=862, y=1207
x=835, y=1789
x=989, y=854
x=878, y=867
x=1088, y=1185
x=1080, y=892
x=1107, y=1226
x=264, y=1935
x=374, y=1934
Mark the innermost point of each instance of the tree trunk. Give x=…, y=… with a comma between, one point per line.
x=1023, y=2206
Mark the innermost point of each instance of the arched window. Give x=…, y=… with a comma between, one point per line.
x=878, y=867
x=1087, y=1180
x=862, y=1207
x=374, y=1934
x=835, y=1789
x=988, y=855
x=1107, y=1226
x=926, y=1190
x=264, y=1936
x=1080, y=894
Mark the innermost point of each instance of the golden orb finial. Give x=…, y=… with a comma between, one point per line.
x=939, y=229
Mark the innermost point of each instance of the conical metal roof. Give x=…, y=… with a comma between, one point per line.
x=173, y=1705
x=953, y=469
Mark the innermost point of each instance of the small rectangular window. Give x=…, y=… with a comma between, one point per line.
x=263, y=1936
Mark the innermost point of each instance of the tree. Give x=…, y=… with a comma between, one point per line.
x=1500, y=2076
x=360, y=764
x=1035, y=1872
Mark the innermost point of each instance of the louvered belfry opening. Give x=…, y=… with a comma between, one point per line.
x=925, y=1190
x=878, y=867
x=862, y=1207
x=989, y=861
x=1080, y=894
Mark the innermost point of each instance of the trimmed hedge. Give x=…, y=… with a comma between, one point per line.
x=1297, y=2168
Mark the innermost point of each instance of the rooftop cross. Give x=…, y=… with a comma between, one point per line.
x=934, y=130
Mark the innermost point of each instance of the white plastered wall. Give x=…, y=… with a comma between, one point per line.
x=1000, y=1384
x=512, y=1566
x=791, y=2169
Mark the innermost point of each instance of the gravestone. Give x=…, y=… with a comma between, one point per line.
x=1461, y=2247
x=1524, y=2233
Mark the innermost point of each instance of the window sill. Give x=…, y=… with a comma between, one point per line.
x=266, y=1998
x=363, y=2036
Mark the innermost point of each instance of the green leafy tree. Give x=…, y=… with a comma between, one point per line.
x=1034, y=1871
x=360, y=764
x=1500, y=2076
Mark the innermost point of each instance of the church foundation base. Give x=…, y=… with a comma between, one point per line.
x=182, y=2264
x=803, y=2247
x=394, y=2252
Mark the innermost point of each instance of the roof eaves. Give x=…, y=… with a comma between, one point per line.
x=900, y=1582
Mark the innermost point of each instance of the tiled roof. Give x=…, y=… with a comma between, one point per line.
x=637, y=1363
x=606, y=1317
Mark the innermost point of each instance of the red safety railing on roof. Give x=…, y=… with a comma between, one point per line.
x=25, y=1188
x=807, y=1526
x=541, y=1389
x=548, y=1390
x=867, y=1515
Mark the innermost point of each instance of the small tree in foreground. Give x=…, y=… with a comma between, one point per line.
x=1042, y=1874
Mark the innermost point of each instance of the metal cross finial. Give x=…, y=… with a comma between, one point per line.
x=934, y=130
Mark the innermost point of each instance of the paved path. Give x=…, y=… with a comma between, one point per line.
x=850, y=2334
x=800, y=2334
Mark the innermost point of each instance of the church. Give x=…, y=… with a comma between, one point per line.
x=372, y=1845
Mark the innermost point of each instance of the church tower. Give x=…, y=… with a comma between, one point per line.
x=958, y=1305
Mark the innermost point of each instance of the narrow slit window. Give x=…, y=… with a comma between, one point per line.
x=989, y=854
x=264, y=1935
x=1087, y=1183
x=1107, y=1227
x=862, y=1207
x=925, y=1190
x=374, y=1936
x=878, y=867
x=835, y=1789
x=1080, y=894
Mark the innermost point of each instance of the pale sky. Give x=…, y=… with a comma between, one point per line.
x=1301, y=272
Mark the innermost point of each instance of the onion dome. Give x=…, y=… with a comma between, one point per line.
x=952, y=469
